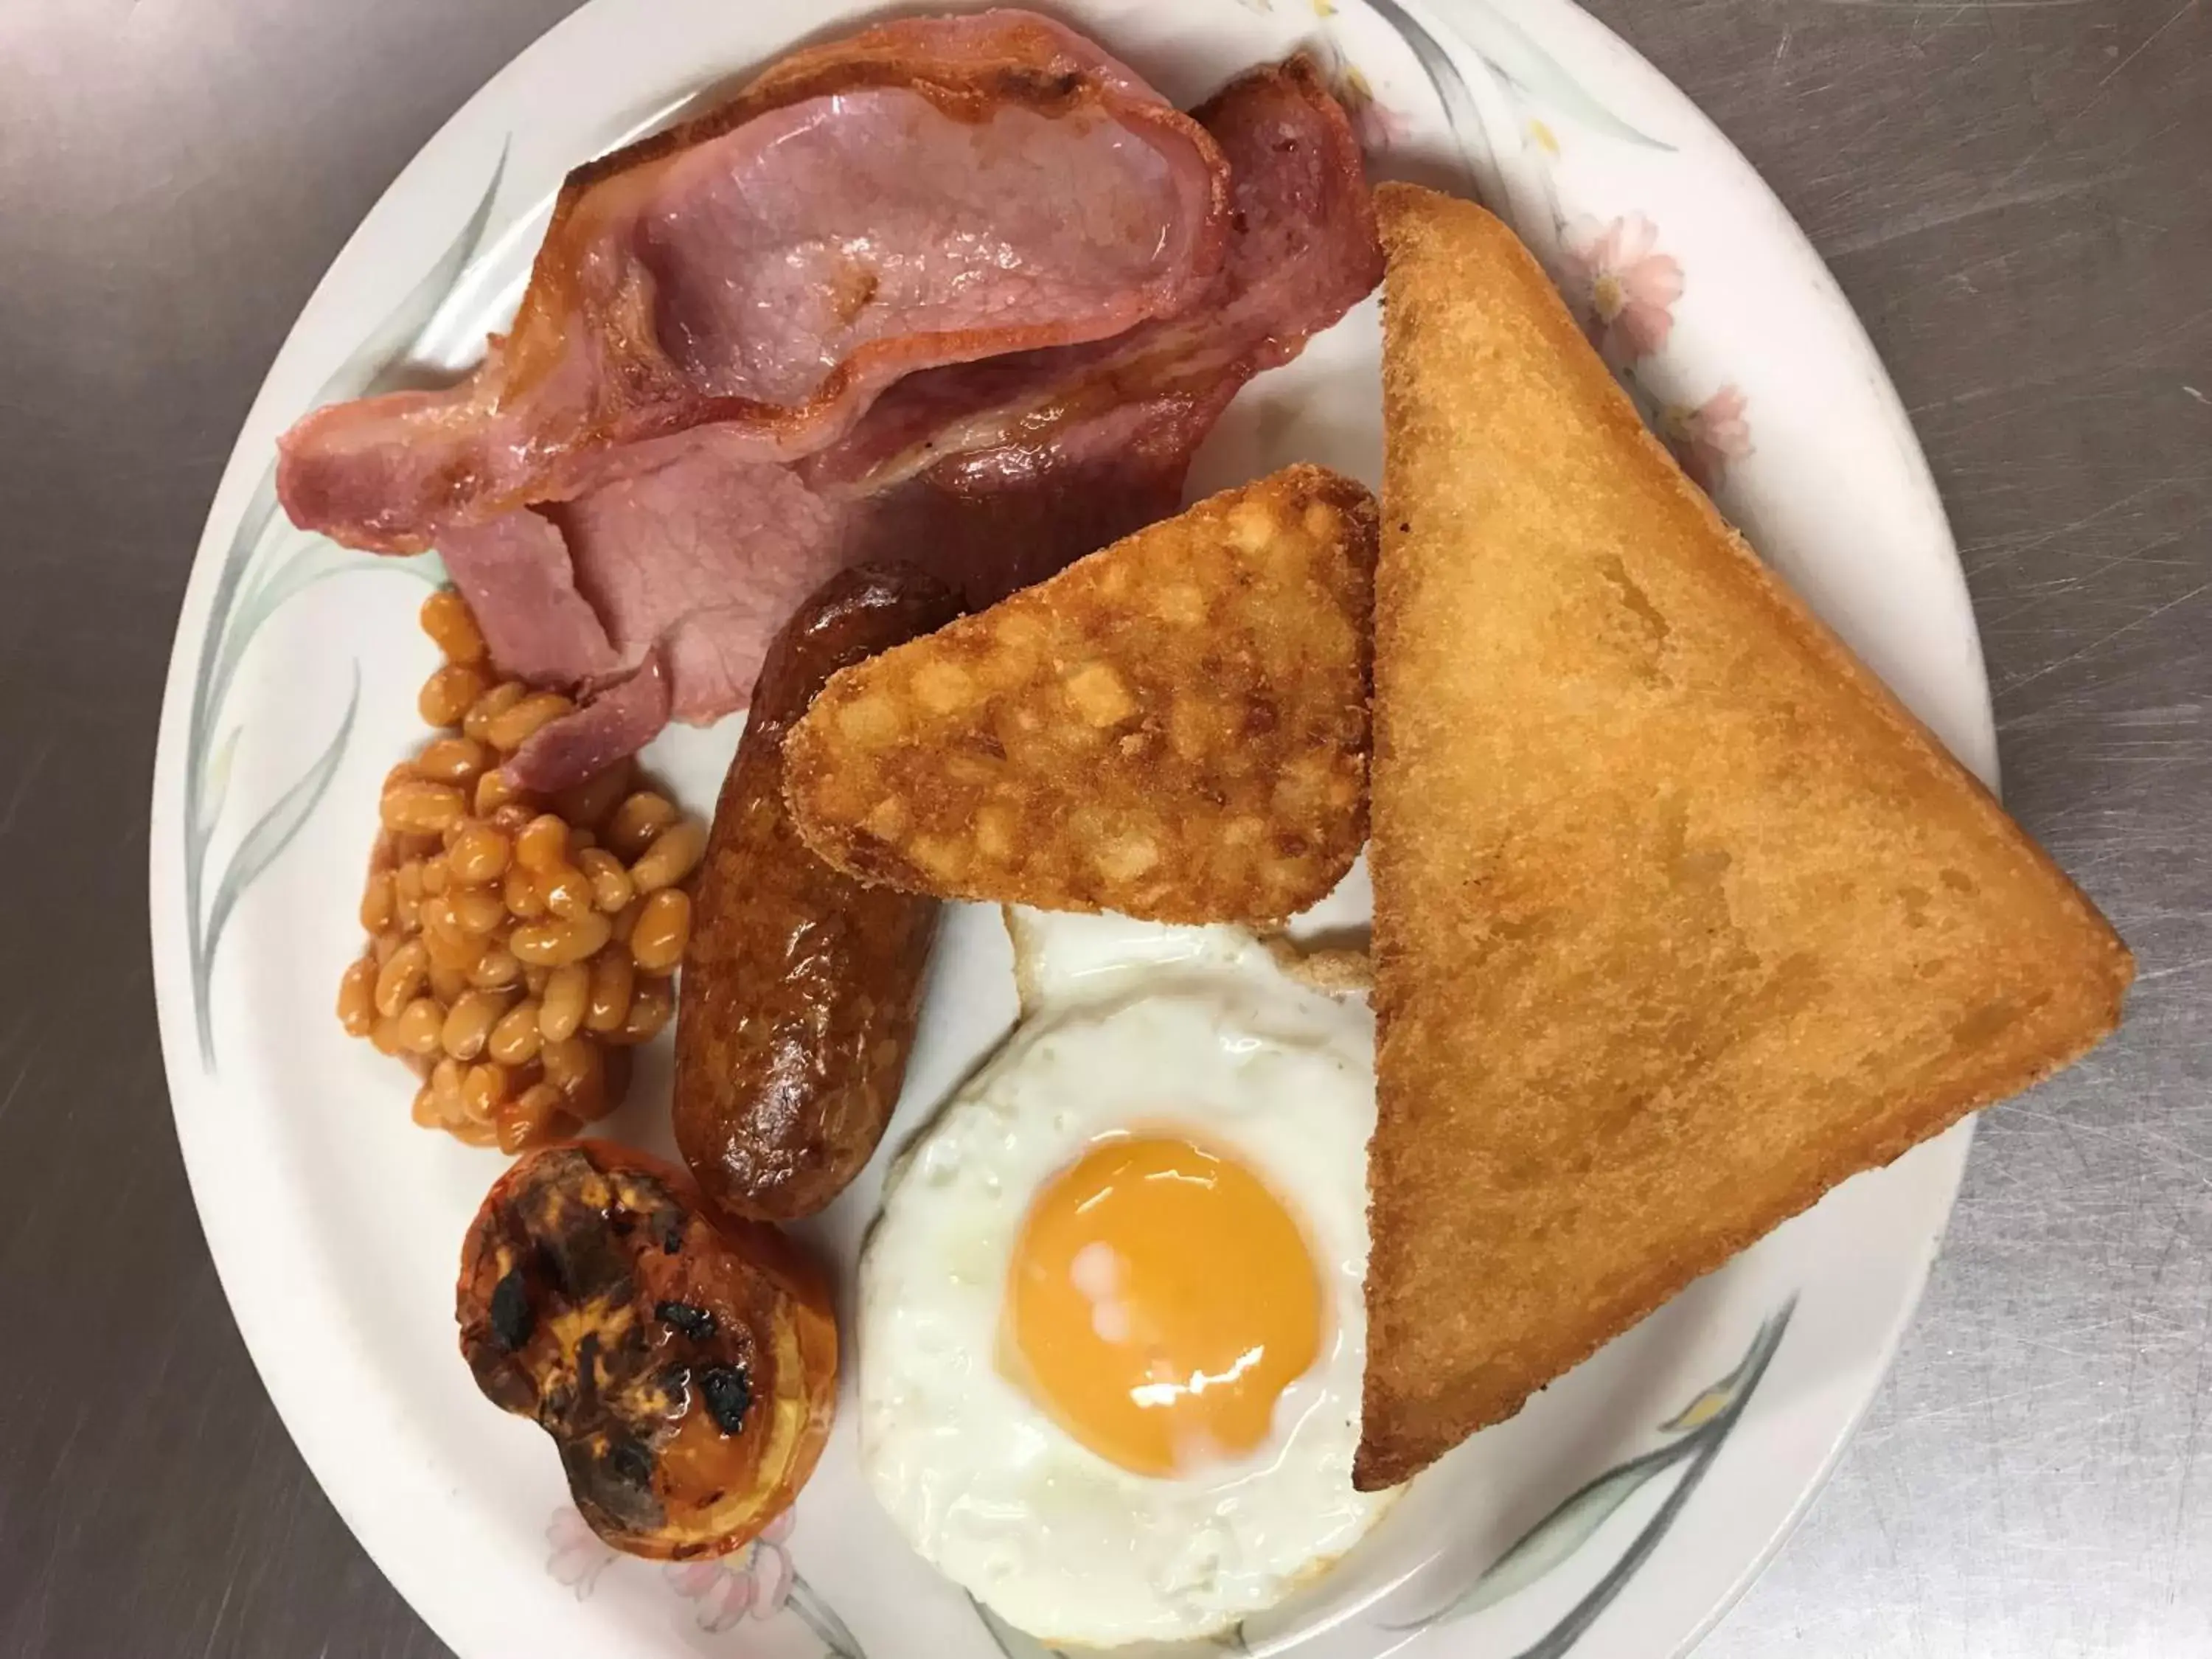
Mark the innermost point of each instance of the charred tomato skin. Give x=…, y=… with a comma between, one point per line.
x=685, y=1363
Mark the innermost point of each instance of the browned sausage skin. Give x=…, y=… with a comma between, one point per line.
x=801, y=985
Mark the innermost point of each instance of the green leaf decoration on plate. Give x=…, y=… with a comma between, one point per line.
x=1701, y=1429
x=1559, y=1534
x=818, y=1616
x=218, y=784
x=1701, y=1410
x=263, y=570
x=382, y=355
x=1537, y=76
x=273, y=830
x=1451, y=88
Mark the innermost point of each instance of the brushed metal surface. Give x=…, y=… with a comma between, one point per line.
x=2015, y=195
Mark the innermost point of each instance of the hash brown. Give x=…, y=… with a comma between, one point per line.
x=1681, y=917
x=1174, y=728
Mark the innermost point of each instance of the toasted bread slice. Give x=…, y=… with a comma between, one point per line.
x=1174, y=727
x=1681, y=917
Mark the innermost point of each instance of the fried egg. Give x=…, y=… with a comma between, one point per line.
x=1111, y=1331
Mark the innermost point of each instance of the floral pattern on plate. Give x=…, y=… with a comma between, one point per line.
x=1628, y=287
x=753, y=1584
x=1707, y=437
x=1616, y=275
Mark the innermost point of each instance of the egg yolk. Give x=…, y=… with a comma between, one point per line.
x=1161, y=1299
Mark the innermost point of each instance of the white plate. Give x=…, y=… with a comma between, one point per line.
x=335, y=1223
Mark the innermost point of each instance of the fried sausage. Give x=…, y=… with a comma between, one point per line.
x=685, y=1364
x=800, y=986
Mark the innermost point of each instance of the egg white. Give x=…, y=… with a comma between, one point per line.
x=1128, y=1027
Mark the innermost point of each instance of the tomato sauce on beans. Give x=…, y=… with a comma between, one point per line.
x=518, y=947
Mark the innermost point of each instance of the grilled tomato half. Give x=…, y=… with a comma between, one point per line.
x=685, y=1364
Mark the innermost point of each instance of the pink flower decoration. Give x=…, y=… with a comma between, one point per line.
x=1629, y=288
x=580, y=1556
x=757, y=1580
x=1707, y=438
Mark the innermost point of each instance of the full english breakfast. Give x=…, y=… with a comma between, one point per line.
x=865, y=401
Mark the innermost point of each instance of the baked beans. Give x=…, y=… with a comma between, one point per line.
x=452, y=760
x=449, y=694
x=673, y=855
x=423, y=807
x=651, y=1003
x=519, y=891
x=610, y=884
x=515, y=1039
x=566, y=890
x=593, y=800
x=495, y=969
x=476, y=910
x=495, y=789
x=518, y=947
x=401, y=976
x=558, y=942
x=469, y=1022
x=637, y=821
x=477, y=716
x=380, y=903
x=357, y=995
x=662, y=930
x=543, y=843
x=452, y=627
x=613, y=975
x=479, y=854
x=507, y=729
x=561, y=1009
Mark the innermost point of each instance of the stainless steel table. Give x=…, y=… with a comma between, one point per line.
x=2017, y=194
